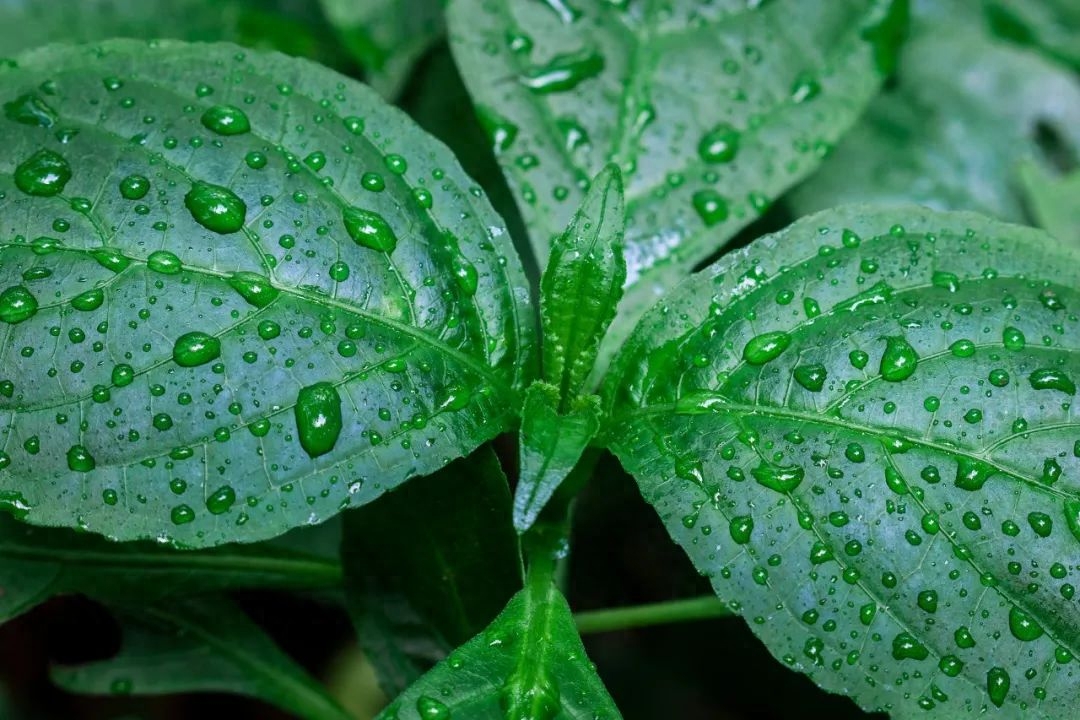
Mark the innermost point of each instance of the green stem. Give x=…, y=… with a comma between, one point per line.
x=702, y=608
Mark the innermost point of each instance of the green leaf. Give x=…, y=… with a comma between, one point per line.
x=286, y=25
x=430, y=565
x=529, y=663
x=582, y=285
x=551, y=444
x=205, y=645
x=1053, y=201
x=861, y=430
x=386, y=37
x=216, y=334
x=37, y=564
x=951, y=134
x=1052, y=26
x=709, y=111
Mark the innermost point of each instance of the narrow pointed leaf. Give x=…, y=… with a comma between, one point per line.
x=39, y=563
x=710, y=111
x=238, y=293
x=1054, y=202
x=582, y=285
x=205, y=645
x=386, y=37
x=860, y=429
x=968, y=108
x=551, y=444
x=430, y=565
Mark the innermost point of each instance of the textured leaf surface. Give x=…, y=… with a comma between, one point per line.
x=967, y=110
x=1053, y=202
x=551, y=444
x=582, y=285
x=37, y=564
x=203, y=645
x=286, y=25
x=529, y=663
x=386, y=36
x=711, y=111
x=239, y=294
x=430, y=565
x=1053, y=26
x=863, y=431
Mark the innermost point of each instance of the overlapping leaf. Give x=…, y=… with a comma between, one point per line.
x=863, y=431
x=238, y=294
x=710, y=110
x=1053, y=202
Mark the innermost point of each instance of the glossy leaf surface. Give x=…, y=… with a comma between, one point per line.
x=205, y=645
x=386, y=36
x=582, y=285
x=551, y=444
x=862, y=430
x=710, y=111
x=967, y=110
x=239, y=293
x=430, y=565
x=1053, y=201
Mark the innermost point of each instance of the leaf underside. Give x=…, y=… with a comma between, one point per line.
x=862, y=430
x=257, y=295
x=710, y=111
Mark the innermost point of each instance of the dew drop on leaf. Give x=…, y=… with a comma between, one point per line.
x=79, y=459
x=899, y=360
x=318, y=418
x=765, y=347
x=216, y=208
x=196, y=348
x=226, y=120
x=17, y=304
x=43, y=174
x=369, y=229
x=254, y=288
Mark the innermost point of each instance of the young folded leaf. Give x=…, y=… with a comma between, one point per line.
x=386, y=37
x=38, y=563
x=862, y=430
x=205, y=645
x=216, y=326
x=430, y=565
x=711, y=111
x=529, y=663
x=582, y=285
x=1053, y=202
x=551, y=444
x=944, y=136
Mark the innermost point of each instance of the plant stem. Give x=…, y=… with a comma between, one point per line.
x=702, y=608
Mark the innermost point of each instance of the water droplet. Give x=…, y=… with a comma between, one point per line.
x=779, y=478
x=710, y=206
x=906, y=646
x=43, y=174
x=431, y=709
x=563, y=72
x=1050, y=379
x=221, y=500
x=945, y=280
x=741, y=528
x=805, y=87
x=720, y=144
x=182, y=515
x=196, y=348
x=927, y=600
x=339, y=272
x=164, y=262
x=899, y=360
x=1072, y=517
x=500, y=131
x=79, y=459
x=17, y=304
x=226, y=120
x=369, y=229
x=811, y=377
x=464, y=274
x=318, y=418
x=134, y=187
x=765, y=347
x=268, y=329
x=216, y=208
x=972, y=474
x=1023, y=626
x=29, y=109
x=254, y=288
x=1013, y=339
x=997, y=685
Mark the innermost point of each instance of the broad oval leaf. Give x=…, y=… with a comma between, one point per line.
x=238, y=294
x=945, y=136
x=862, y=430
x=710, y=110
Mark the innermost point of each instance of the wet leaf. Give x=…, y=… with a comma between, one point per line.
x=710, y=111
x=240, y=293
x=887, y=487
x=205, y=645
x=1052, y=26
x=1053, y=201
x=430, y=565
x=386, y=37
x=967, y=110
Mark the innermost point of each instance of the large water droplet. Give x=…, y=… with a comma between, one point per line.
x=741, y=527
x=997, y=685
x=710, y=206
x=254, y=288
x=17, y=304
x=216, y=208
x=43, y=174
x=1051, y=379
x=720, y=144
x=432, y=709
x=318, y=418
x=906, y=646
x=134, y=187
x=221, y=500
x=464, y=273
x=29, y=109
x=972, y=474
x=779, y=478
x=765, y=347
x=79, y=459
x=369, y=229
x=811, y=377
x=899, y=360
x=164, y=262
x=196, y=348
x=226, y=120
x=1072, y=517
x=563, y=72
x=1023, y=626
